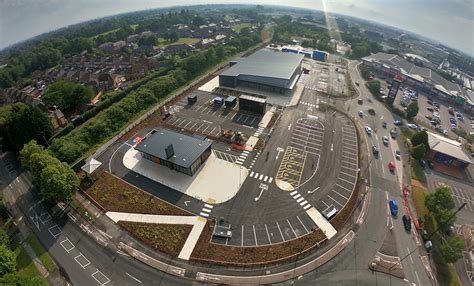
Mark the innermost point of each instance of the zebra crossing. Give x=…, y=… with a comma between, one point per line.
x=254, y=159
x=206, y=210
x=300, y=200
x=261, y=177
x=259, y=131
x=309, y=104
x=242, y=157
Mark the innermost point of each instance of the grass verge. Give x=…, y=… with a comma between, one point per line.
x=41, y=253
x=166, y=238
x=26, y=268
x=417, y=172
x=113, y=194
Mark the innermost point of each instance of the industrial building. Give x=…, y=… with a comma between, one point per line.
x=174, y=150
x=447, y=151
x=419, y=78
x=264, y=70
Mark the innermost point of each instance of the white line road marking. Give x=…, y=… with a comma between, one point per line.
x=57, y=231
x=291, y=228
x=265, y=179
x=255, y=235
x=281, y=233
x=206, y=210
x=71, y=216
x=268, y=234
x=293, y=193
x=242, y=241
x=352, y=183
x=326, y=205
x=386, y=194
x=133, y=278
x=299, y=200
x=417, y=278
x=302, y=224
x=340, y=194
x=208, y=206
x=204, y=214
x=270, y=180
x=307, y=207
x=335, y=200
x=261, y=176
x=103, y=276
x=344, y=188
x=303, y=203
x=85, y=260
x=297, y=196
x=251, y=174
x=66, y=247
x=411, y=258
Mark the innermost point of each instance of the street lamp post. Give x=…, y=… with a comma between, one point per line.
x=429, y=236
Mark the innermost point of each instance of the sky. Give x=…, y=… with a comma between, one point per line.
x=450, y=22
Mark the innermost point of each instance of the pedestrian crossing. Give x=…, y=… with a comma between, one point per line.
x=261, y=177
x=259, y=131
x=206, y=210
x=254, y=159
x=242, y=157
x=309, y=104
x=300, y=200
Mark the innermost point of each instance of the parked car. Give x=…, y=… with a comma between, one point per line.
x=429, y=102
x=428, y=245
x=422, y=163
x=393, y=206
x=357, y=83
x=368, y=130
x=397, y=154
x=360, y=101
x=412, y=126
x=424, y=235
x=406, y=222
x=430, y=164
x=391, y=166
x=361, y=113
x=385, y=140
x=393, y=133
x=429, y=109
x=436, y=104
x=398, y=123
x=384, y=124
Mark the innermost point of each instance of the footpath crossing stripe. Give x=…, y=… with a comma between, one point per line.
x=307, y=207
x=293, y=193
x=208, y=206
x=270, y=180
x=251, y=174
x=204, y=214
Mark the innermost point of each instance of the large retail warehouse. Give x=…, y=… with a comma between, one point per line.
x=264, y=70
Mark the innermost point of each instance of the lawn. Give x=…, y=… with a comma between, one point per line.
x=418, y=196
x=114, y=194
x=41, y=253
x=105, y=33
x=417, y=172
x=239, y=27
x=25, y=266
x=189, y=41
x=134, y=26
x=166, y=238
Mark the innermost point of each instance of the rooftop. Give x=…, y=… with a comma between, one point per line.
x=447, y=146
x=186, y=148
x=266, y=64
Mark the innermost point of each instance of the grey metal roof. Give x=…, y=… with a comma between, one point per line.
x=447, y=146
x=266, y=64
x=186, y=148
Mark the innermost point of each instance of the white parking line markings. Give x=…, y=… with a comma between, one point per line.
x=82, y=260
x=67, y=245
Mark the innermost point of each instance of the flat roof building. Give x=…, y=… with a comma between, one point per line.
x=175, y=150
x=264, y=70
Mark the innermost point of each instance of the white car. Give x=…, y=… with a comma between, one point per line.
x=368, y=130
x=412, y=126
x=397, y=154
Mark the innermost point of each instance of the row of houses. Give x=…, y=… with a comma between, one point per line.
x=420, y=78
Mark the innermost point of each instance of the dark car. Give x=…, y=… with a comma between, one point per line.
x=398, y=123
x=393, y=133
x=375, y=151
x=422, y=163
x=384, y=124
x=430, y=164
x=406, y=222
x=360, y=101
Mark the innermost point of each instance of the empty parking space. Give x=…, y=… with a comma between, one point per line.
x=100, y=277
x=82, y=260
x=307, y=135
x=461, y=196
x=195, y=126
x=67, y=245
x=55, y=231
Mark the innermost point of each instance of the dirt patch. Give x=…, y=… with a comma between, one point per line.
x=418, y=184
x=113, y=194
x=166, y=238
x=213, y=253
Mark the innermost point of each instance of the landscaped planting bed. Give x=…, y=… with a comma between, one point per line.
x=166, y=238
x=341, y=218
x=213, y=253
x=113, y=194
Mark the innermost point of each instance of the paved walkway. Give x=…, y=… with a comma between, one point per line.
x=197, y=222
x=210, y=85
x=216, y=181
x=322, y=223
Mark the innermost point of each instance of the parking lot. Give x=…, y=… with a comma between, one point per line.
x=462, y=193
x=325, y=78
x=346, y=180
x=268, y=233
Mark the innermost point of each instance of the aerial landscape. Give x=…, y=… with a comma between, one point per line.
x=218, y=143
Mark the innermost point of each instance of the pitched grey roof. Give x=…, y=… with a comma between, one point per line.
x=447, y=146
x=186, y=148
x=266, y=64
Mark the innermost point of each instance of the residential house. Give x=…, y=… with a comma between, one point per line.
x=178, y=48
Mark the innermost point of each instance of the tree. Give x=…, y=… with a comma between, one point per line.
x=58, y=183
x=418, y=152
x=27, y=123
x=412, y=109
x=364, y=71
x=28, y=151
x=4, y=239
x=15, y=279
x=420, y=137
x=441, y=205
x=7, y=260
x=67, y=95
x=198, y=21
x=374, y=87
x=451, y=249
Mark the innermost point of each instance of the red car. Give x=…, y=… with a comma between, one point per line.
x=391, y=166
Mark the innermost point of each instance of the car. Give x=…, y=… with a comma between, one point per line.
x=397, y=154
x=412, y=126
x=360, y=101
x=375, y=151
x=429, y=102
x=385, y=140
x=384, y=124
x=445, y=132
x=361, y=113
x=393, y=206
x=422, y=163
x=428, y=245
x=357, y=83
x=398, y=123
x=452, y=120
x=436, y=114
x=391, y=166
x=430, y=164
x=424, y=234
x=436, y=104
x=368, y=130
x=406, y=222
x=429, y=109
x=393, y=133
x=451, y=112
x=460, y=118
